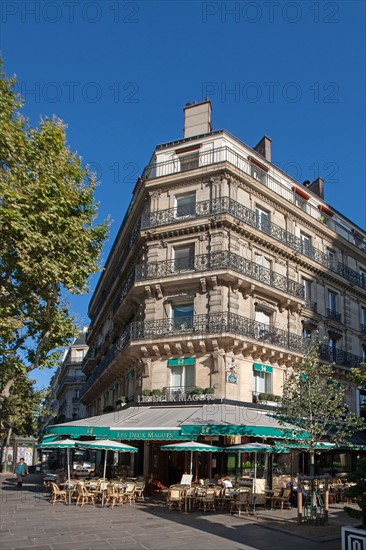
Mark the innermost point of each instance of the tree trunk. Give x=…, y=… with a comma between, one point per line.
x=312, y=464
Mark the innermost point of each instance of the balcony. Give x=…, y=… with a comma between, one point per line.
x=333, y=315
x=228, y=155
x=226, y=205
x=311, y=306
x=339, y=357
x=219, y=261
x=363, y=328
x=208, y=324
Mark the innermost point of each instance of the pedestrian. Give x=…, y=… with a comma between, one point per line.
x=21, y=471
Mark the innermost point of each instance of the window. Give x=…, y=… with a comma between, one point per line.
x=262, y=326
x=363, y=320
x=258, y=174
x=186, y=205
x=262, y=219
x=182, y=316
x=332, y=301
x=189, y=162
x=182, y=377
x=307, y=332
x=306, y=246
x=262, y=382
x=183, y=257
x=78, y=354
x=307, y=289
x=331, y=257
x=264, y=274
x=300, y=202
x=363, y=278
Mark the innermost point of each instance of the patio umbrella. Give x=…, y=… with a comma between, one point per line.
x=191, y=446
x=106, y=445
x=251, y=448
x=61, y=444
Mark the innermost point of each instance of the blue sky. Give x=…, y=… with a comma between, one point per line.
x=119, y=73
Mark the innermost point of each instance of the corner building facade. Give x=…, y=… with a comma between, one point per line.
x=221, y=270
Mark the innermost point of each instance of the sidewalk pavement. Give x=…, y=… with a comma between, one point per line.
x=28, y=520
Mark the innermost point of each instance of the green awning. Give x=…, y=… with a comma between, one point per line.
x=262, y=368
x=130, y=374
x=147, y=435
x=181, y=361
x=255, y=431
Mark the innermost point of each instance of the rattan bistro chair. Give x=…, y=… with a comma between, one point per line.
x=207, y=502
x=175, y=498
x=241, y=502
x=57, y=494
x=84, y=496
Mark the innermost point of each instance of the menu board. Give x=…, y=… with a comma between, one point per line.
x=186, y=479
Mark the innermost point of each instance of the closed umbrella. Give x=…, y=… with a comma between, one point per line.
x=106, y=445
x=61, y=444
x=251, y=448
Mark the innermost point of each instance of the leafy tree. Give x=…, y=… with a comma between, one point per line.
x=21, y=409
x=358, y=375
x=49, y=241
x=358, y=492
x=313, y=400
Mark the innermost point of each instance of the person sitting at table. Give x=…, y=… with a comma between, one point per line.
x=226, y=481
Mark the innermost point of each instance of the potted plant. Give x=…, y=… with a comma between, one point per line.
x=108, y=409
x=269, y=399
x=352, y=535
x=121, y=401
x=157, y=392
x=146, y=392
x=209, y=391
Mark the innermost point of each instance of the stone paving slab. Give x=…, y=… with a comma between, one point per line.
x=29, y=521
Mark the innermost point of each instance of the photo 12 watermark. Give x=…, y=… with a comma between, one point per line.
x=271, y=91
x=117, y=172
x=75, y=92
x=270, y=12
x=70, y=11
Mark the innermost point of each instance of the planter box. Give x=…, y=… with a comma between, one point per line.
x=353, y=538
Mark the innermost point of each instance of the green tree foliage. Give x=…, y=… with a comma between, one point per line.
x=358, y=492
x=358, y=376
x=21, y=409
x=49, y=241
x=313, y=400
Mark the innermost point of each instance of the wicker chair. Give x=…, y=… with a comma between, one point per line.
x=130, y=492
x=84, y=496
x=57, y=494
x=241, y=502
x=207, y=502
x=175, y=498
x=280, y=501
x=139, y=490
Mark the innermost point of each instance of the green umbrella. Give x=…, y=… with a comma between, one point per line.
x=251, y=448
x=106, y=445
x=61, y=444
x=191, y=446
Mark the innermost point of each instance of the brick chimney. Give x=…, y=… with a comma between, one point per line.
x=317, y=187
x=197, y=118
x=263, y=147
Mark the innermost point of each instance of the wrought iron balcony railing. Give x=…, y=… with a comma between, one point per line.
x=334, y=315
x=225, y=205
x=339, y=357
x=226, y=154
x=211, y=323
x=217, y=323
x=312, y=306
x=219, y=260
